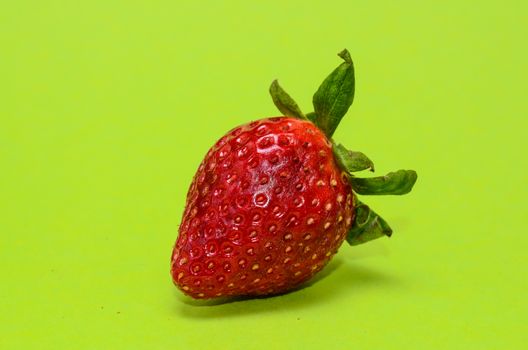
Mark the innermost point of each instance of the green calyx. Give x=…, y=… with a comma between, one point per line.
x=331, y=102
x=284, y=102
x=335, y=95
x=351, y=161
x=398, y=183
x=367, y=225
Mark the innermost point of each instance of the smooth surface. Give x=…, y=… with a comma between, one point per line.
x=107, y=108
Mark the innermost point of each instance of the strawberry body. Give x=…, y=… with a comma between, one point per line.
x=266, y=210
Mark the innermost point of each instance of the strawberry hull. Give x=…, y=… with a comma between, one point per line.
x=266, y=210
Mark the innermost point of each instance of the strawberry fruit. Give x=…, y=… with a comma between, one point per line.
x=274, y=199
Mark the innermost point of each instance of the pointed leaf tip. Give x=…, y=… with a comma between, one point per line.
x=284, y=102
x=345, y=55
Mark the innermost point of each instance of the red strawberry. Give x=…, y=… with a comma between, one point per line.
x=272, y=201
x=266, y=210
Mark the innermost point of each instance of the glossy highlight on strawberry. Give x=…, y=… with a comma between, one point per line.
x=274, y=199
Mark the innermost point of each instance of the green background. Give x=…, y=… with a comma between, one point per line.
x=107, y=108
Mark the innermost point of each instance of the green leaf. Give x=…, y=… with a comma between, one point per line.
x=284, y=102
x=351, y=161
x=335, y=96
x=399, y=182
x=311, y=116
x=367, y=226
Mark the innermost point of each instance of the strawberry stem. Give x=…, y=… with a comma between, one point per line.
x=311, y=117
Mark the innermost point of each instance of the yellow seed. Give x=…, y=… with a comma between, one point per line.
x=288, y=236
x=231, y=285
x=180, y=275
x=307, y=236
x=320, y=183
x=326, y=225
x=288, y=249
x=328, y=206
x=287, y=260
x=256, y=280
x=340, y=218
x=328, y=254
x=255, y=267
x=314, y=256
x=339, y=198
x=183, y=261
x=185, y=288
x=297, y=273
x=333, y=182
x=270, y=270
x=201, y=295
x=310, y=221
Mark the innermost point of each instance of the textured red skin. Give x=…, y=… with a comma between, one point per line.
x=266, y=210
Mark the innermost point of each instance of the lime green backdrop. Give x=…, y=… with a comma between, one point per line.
x=107, y=108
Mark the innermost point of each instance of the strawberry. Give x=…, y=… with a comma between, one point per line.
x=274, y=199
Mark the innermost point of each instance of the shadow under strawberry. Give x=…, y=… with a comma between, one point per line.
x=352, y=277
